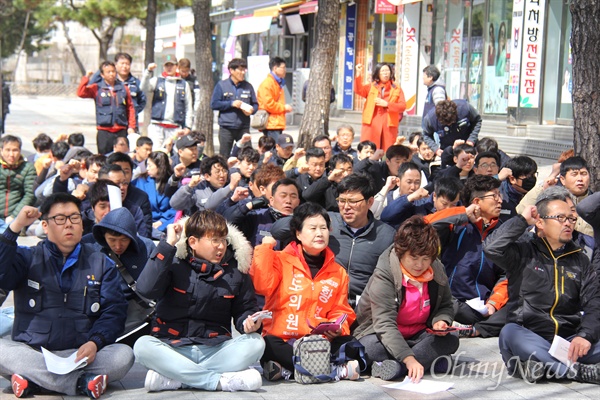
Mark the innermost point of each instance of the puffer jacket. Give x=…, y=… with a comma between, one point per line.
x=195, y=298
x=294, y=296
x=271, y=98
x=547, y=289
x=378, y=307
x=16, y=187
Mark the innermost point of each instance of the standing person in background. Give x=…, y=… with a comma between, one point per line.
x=384, y=106
x=115, y=113
x=5, y=103
x=235, y=100
x=186, y=74
x=436, y=90
x=172, y=104
x=271, y=97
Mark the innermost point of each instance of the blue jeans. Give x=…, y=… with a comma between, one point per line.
x=3, y=226
x=7, y=317
x=517, y=341
x=199, y=366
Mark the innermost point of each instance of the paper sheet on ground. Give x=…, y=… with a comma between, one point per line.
x=478, y=305
x=560, y=350
x=62, y=366
x=424, y=386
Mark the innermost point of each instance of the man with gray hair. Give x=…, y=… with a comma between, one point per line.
x=550, y=281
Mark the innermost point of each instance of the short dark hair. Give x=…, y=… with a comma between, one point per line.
x=126, y=56
x=398, y=150
x=487, y=144
x=314, y=152
x=375, y=76
x=446, y=112
x=236, y=63
x=108, y=168
x=318, y=138
x=58, y=198
x=284, y=182
x=199, y=136
x=59, y=150
x=357, y=182
x=275, y=62
x=120, y=157
x=572, y=163
x=304, y=211
x=82, y=155
x=266, y=143
x=413, y=135
x=98, y=159
x=10, y=139
x=143, y=140
x=106, y=64
x=416, y=237
x=99, y=191
x=76, y=139
x=478, y=185
x=432, y=71
x=487, y=154
x=206, y=222
x=42, y=142
x=366, y=143
x=522, y=166
x=464, y=148
x=249, y=154
x=407, y=166
x=207, y=163
x=340, y=158
x=448, y=187
x=184, y=62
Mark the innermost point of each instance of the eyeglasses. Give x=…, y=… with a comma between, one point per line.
x=350, y=202
x=561, y=218
x=216, y=242
x=62, y=219
x=123, y=184
x=486, y=165
x=495, y=196
x=219, y=171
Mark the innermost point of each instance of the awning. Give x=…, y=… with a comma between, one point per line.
x=309, y=8
x=249, y=24
x=273, y=11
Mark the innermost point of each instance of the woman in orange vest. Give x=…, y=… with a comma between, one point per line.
x=384, y=106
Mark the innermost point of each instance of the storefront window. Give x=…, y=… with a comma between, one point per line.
x=497, y=57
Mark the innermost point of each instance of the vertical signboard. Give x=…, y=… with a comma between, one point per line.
x=410, y=56
x=516, y=43
x=349, y=57
x=531, y=64
x=454, y=50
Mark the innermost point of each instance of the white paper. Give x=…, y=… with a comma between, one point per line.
x=62, y=366
x=478, y=305
x=424, y=386
x=246, y=107
x=114, y=197
x=560, y=350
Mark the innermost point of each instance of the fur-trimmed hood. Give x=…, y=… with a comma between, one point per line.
x=239, y=245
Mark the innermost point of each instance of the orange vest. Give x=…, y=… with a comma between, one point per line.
x=373, y=90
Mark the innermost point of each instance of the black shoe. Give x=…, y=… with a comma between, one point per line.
x=531, y=370
x=588, y=373
x=386, y=369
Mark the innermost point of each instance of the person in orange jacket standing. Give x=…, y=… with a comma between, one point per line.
x=384, y=106
x=271, y=97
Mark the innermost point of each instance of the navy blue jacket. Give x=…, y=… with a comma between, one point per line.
x=224, y=94
x=510, y=200
x=61, y=305
x=399, y=210
x=159, y=101
x=466, y=128
x=137, y=95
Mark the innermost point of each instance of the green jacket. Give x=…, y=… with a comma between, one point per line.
x=16, y=187
x=378, y=306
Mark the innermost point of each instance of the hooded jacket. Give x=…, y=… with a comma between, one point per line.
x=196, y=299
x=16, y=187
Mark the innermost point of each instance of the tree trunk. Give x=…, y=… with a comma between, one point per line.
x=150, y=32
x=585, y=42
x=315, y=120
x=204, y=59
x=25, y=26
x=73, y=49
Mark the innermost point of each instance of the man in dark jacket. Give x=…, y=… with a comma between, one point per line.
x=235, y=100
x=200, y=282
x=550, y=282
x=67, y=300
x=116, y=236
x=394, y=157
x=5, y=105
x=16, y=179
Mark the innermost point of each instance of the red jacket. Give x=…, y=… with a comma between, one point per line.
x=295, y=298
x=91, y=92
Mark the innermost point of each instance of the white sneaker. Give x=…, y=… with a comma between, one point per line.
x=349, y=370
x=155, y=382
x=246, y=380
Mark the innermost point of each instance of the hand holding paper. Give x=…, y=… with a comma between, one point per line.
x=62, y=366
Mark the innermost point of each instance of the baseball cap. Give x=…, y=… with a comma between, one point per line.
x=285, y=140
x=186, y=141
x=170, y=60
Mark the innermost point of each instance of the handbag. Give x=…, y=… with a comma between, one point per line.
x=259, y=120
x=312, y=360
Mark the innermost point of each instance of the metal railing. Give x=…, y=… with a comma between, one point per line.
x=43, y=89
